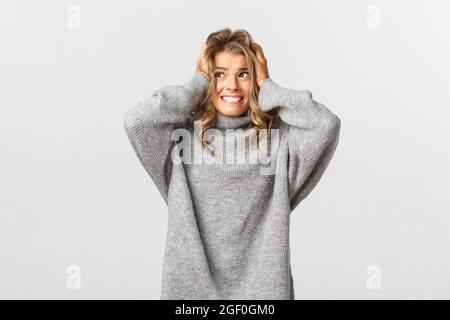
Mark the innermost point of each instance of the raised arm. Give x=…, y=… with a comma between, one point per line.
x=313, y=135
x=150, y=123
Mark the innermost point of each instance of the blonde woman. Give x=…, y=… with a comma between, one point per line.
x=228, y=221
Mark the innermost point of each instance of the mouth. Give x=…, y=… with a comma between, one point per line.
x=231, y=99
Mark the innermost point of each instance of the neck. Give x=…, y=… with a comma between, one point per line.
x=232, y=122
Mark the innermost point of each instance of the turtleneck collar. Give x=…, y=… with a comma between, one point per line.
x=229, y=122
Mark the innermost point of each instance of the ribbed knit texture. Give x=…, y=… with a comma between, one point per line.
x=228, y=224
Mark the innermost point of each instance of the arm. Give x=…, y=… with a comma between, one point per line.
x=150, y=123
x=313, y=135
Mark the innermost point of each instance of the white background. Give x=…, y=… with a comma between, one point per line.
x=72, y=192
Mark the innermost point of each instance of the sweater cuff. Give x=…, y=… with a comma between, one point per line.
x=272, y=95
x=269, y=95
x=196, y=86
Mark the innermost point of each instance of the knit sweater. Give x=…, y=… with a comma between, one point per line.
x=228, y=223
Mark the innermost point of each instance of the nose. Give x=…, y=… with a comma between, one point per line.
x=232, y=83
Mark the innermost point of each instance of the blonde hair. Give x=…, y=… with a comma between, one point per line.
x=236, y=42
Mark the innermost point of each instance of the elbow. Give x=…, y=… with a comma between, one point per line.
x=326, y=118
x=335, y=122
x=332, y=125
x=135, y=118
x=129, y=122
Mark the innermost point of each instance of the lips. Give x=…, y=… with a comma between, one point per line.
x=231, y=99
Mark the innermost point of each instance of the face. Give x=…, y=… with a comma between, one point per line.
x=233, y=80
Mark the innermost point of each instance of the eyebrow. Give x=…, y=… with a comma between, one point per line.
x=241, y=68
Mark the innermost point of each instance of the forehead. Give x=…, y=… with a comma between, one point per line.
x=230, y=60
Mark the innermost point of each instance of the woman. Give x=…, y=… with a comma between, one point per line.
x=228, y=223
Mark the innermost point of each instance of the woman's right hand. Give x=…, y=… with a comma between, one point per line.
x=262, y=70
x=202, y=66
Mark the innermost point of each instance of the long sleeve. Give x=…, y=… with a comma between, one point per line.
x=150, y=123
x=313, y=135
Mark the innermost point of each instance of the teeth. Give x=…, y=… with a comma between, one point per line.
x=231, y=99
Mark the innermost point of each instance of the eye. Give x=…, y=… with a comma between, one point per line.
x=244, y=72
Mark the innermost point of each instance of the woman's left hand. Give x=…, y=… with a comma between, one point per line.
x=262, y=71
x=201, y=66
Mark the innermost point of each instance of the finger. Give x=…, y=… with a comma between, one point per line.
x=260, y=55
x=259, y=52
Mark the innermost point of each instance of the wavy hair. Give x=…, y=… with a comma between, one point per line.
x=236, y=42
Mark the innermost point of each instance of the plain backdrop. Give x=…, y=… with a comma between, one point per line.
x=81, y=219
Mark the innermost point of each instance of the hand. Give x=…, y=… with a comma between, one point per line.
x=262, y=71
x=202, y=66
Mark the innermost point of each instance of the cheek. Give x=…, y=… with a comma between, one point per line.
x=217, y=93
x=247, y=93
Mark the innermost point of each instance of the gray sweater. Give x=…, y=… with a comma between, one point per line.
x=228, y=223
